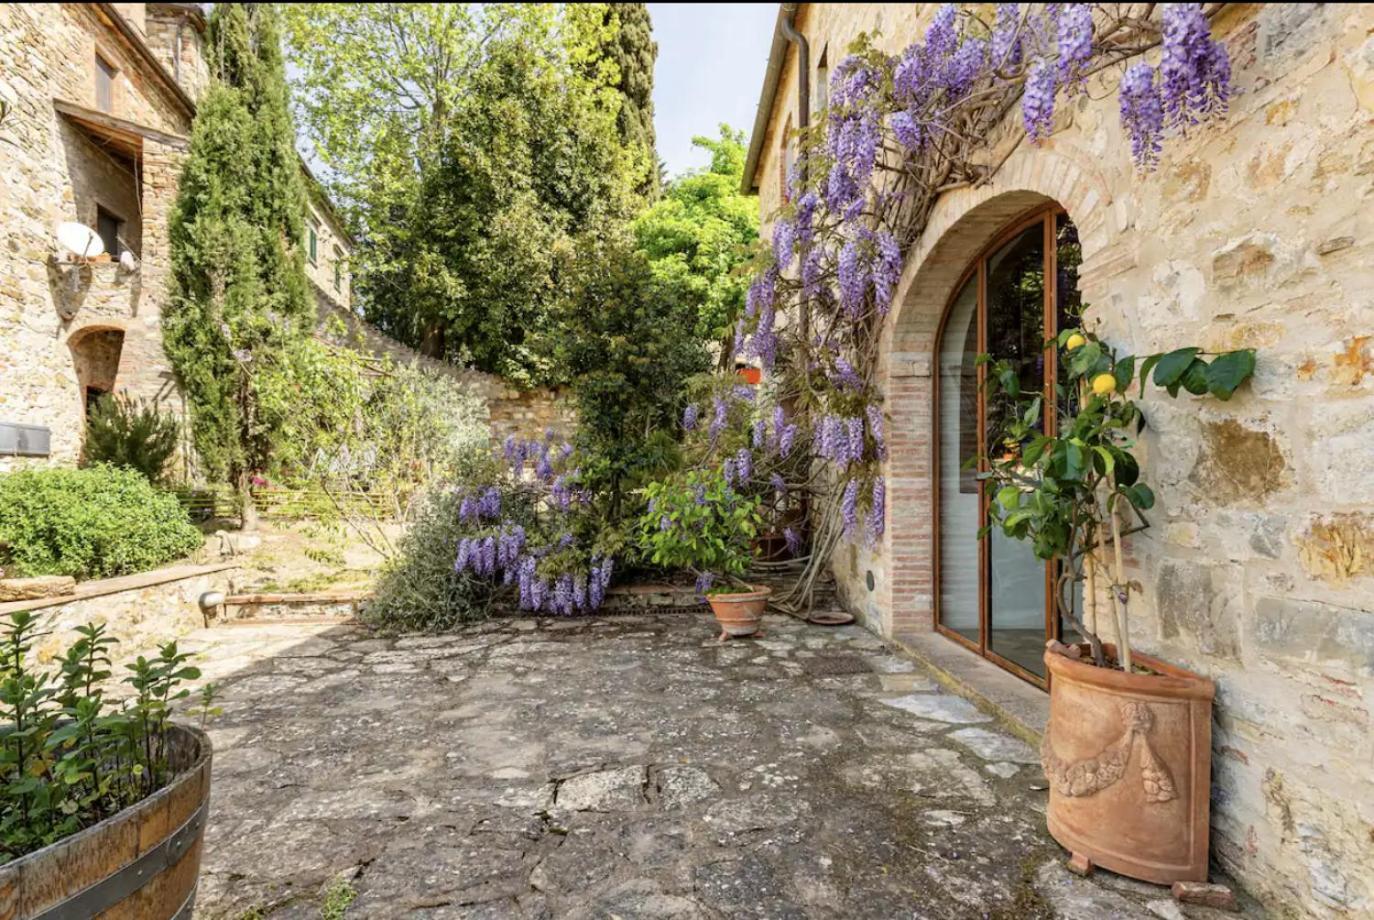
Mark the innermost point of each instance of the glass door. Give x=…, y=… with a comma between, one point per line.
x=993, y=595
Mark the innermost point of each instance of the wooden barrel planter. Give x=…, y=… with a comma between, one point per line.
x=141, y=864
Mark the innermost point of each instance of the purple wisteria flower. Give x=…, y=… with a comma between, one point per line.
x=760, y=433
x=908, y=131
x=806, y=216
x=793, y=540
x=849, y=507
x=1006, y=36
x=941, y=39
x=763, y=291
x=875, y=428
x=719, y=416
x=844, y=376
x=744, y=465
x=1037, y=102
x=1074, y=42
x=853, y=278
x=689, y=417
x=704, y=582
x=1142, y=115
x=856, y=439
x=784, y=242
x=1195, y=72
x=787, y=439
x=877, y=512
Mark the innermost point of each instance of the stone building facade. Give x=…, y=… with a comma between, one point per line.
x=1255, y=232
x=100, y=101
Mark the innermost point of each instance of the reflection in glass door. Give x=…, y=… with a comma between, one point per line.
x=993, y=594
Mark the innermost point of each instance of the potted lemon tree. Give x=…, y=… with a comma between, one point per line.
x=1127, y=751
x=698, y=521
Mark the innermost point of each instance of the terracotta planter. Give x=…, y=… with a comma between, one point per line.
x=739, y=614
x=1129, y=762
x=143, y=862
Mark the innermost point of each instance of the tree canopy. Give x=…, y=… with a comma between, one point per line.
x=469, y=146
x=700, y=236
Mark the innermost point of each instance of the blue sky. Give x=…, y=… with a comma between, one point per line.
x=711, y=59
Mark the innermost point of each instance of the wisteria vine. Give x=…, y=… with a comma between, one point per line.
x=527, y=531
x=900, y=131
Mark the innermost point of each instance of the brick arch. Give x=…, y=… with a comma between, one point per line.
x=97, y=358
x=962, y=224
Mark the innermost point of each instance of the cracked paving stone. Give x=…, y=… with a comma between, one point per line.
x=679, y=786
x=1004, y=770
x=942, y=707
x=991, y=745
x=633, y=767
x=621, y=789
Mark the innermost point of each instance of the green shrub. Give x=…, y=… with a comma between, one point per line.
x=89, y=523
x=69, y=756
x=697, y=521
x=419, y=589
x=130, y=433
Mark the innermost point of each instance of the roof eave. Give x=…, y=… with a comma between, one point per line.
x=777, y=55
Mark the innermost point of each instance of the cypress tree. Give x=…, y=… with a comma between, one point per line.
x=634, y=52
x=239, y=301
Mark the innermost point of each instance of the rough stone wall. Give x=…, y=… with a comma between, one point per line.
x=510, y=410
x=47, y=53
x=165, y=23
x=1256, y=569
x=139, y=611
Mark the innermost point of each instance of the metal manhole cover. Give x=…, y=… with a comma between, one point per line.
x=836, y=665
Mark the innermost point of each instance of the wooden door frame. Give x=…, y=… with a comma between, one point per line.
x=1046, y=215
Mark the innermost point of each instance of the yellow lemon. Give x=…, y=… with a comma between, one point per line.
x=1104, y=384
x=1075, y=341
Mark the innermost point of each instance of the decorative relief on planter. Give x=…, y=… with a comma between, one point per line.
x=1079, y=778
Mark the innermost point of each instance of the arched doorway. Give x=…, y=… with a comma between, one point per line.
x=96, y=355
x=991, y=593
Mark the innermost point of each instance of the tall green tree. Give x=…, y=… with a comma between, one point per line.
x=622, y=341
x=634, y=52
x=239, y=301
x=701, y=235
x=469, y=145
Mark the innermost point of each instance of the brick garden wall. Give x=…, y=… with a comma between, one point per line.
x=1257, y=570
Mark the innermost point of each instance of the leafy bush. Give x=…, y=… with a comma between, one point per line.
x=419, y=589
x=699, y=522
x=89, y=523
x=523, y=533
x=133, y=434
x=70, y=757
x=624, y=342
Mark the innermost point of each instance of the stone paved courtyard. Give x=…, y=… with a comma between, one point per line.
x=623, y=767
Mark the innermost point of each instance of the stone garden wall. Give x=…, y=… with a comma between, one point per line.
x=139, y=611
x=510, y=410
x=1257, y=568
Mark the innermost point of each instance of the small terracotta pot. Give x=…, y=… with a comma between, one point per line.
x=739, y=614
x=1129, y=762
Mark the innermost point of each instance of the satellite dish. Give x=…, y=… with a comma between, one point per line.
x=80, y=240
